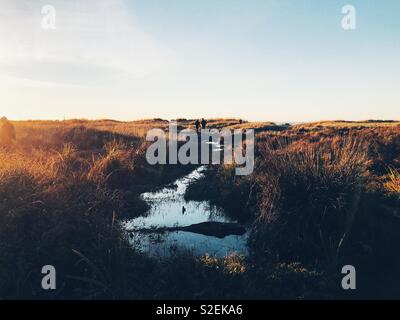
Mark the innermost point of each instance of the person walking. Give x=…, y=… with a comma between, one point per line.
x=197, y=125
x=203, y=123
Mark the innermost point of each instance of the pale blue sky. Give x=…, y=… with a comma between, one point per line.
x=279, y=60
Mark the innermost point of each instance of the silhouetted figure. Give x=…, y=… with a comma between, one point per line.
x=203, y=123
x=197, y=125
x=183, y=209
x=7, y=132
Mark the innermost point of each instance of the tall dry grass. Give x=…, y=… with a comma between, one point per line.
x=393, y=183
x=64, y=185
x=57, y=200
x=63, y=190
x=309, y=197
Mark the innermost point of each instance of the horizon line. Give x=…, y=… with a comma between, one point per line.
x=211, y=118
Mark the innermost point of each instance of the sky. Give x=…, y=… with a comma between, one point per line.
x=260, y=60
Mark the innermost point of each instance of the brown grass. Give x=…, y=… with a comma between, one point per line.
x=393, y=183
x=348, y=124
x=310, y=195
x=64, y=185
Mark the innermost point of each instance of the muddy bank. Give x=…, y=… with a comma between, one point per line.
x=215, y=229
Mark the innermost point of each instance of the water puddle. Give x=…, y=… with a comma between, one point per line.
x=168, y=209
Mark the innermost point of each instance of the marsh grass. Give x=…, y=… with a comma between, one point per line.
x=393, y=183
x=62, y=193
x=64, y=187
x=310, y=195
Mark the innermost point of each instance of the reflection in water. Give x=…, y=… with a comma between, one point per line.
x=166, y=211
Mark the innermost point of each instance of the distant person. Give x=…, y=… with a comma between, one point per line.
x=203, y=123
x=197, y=125
x=7, y=132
